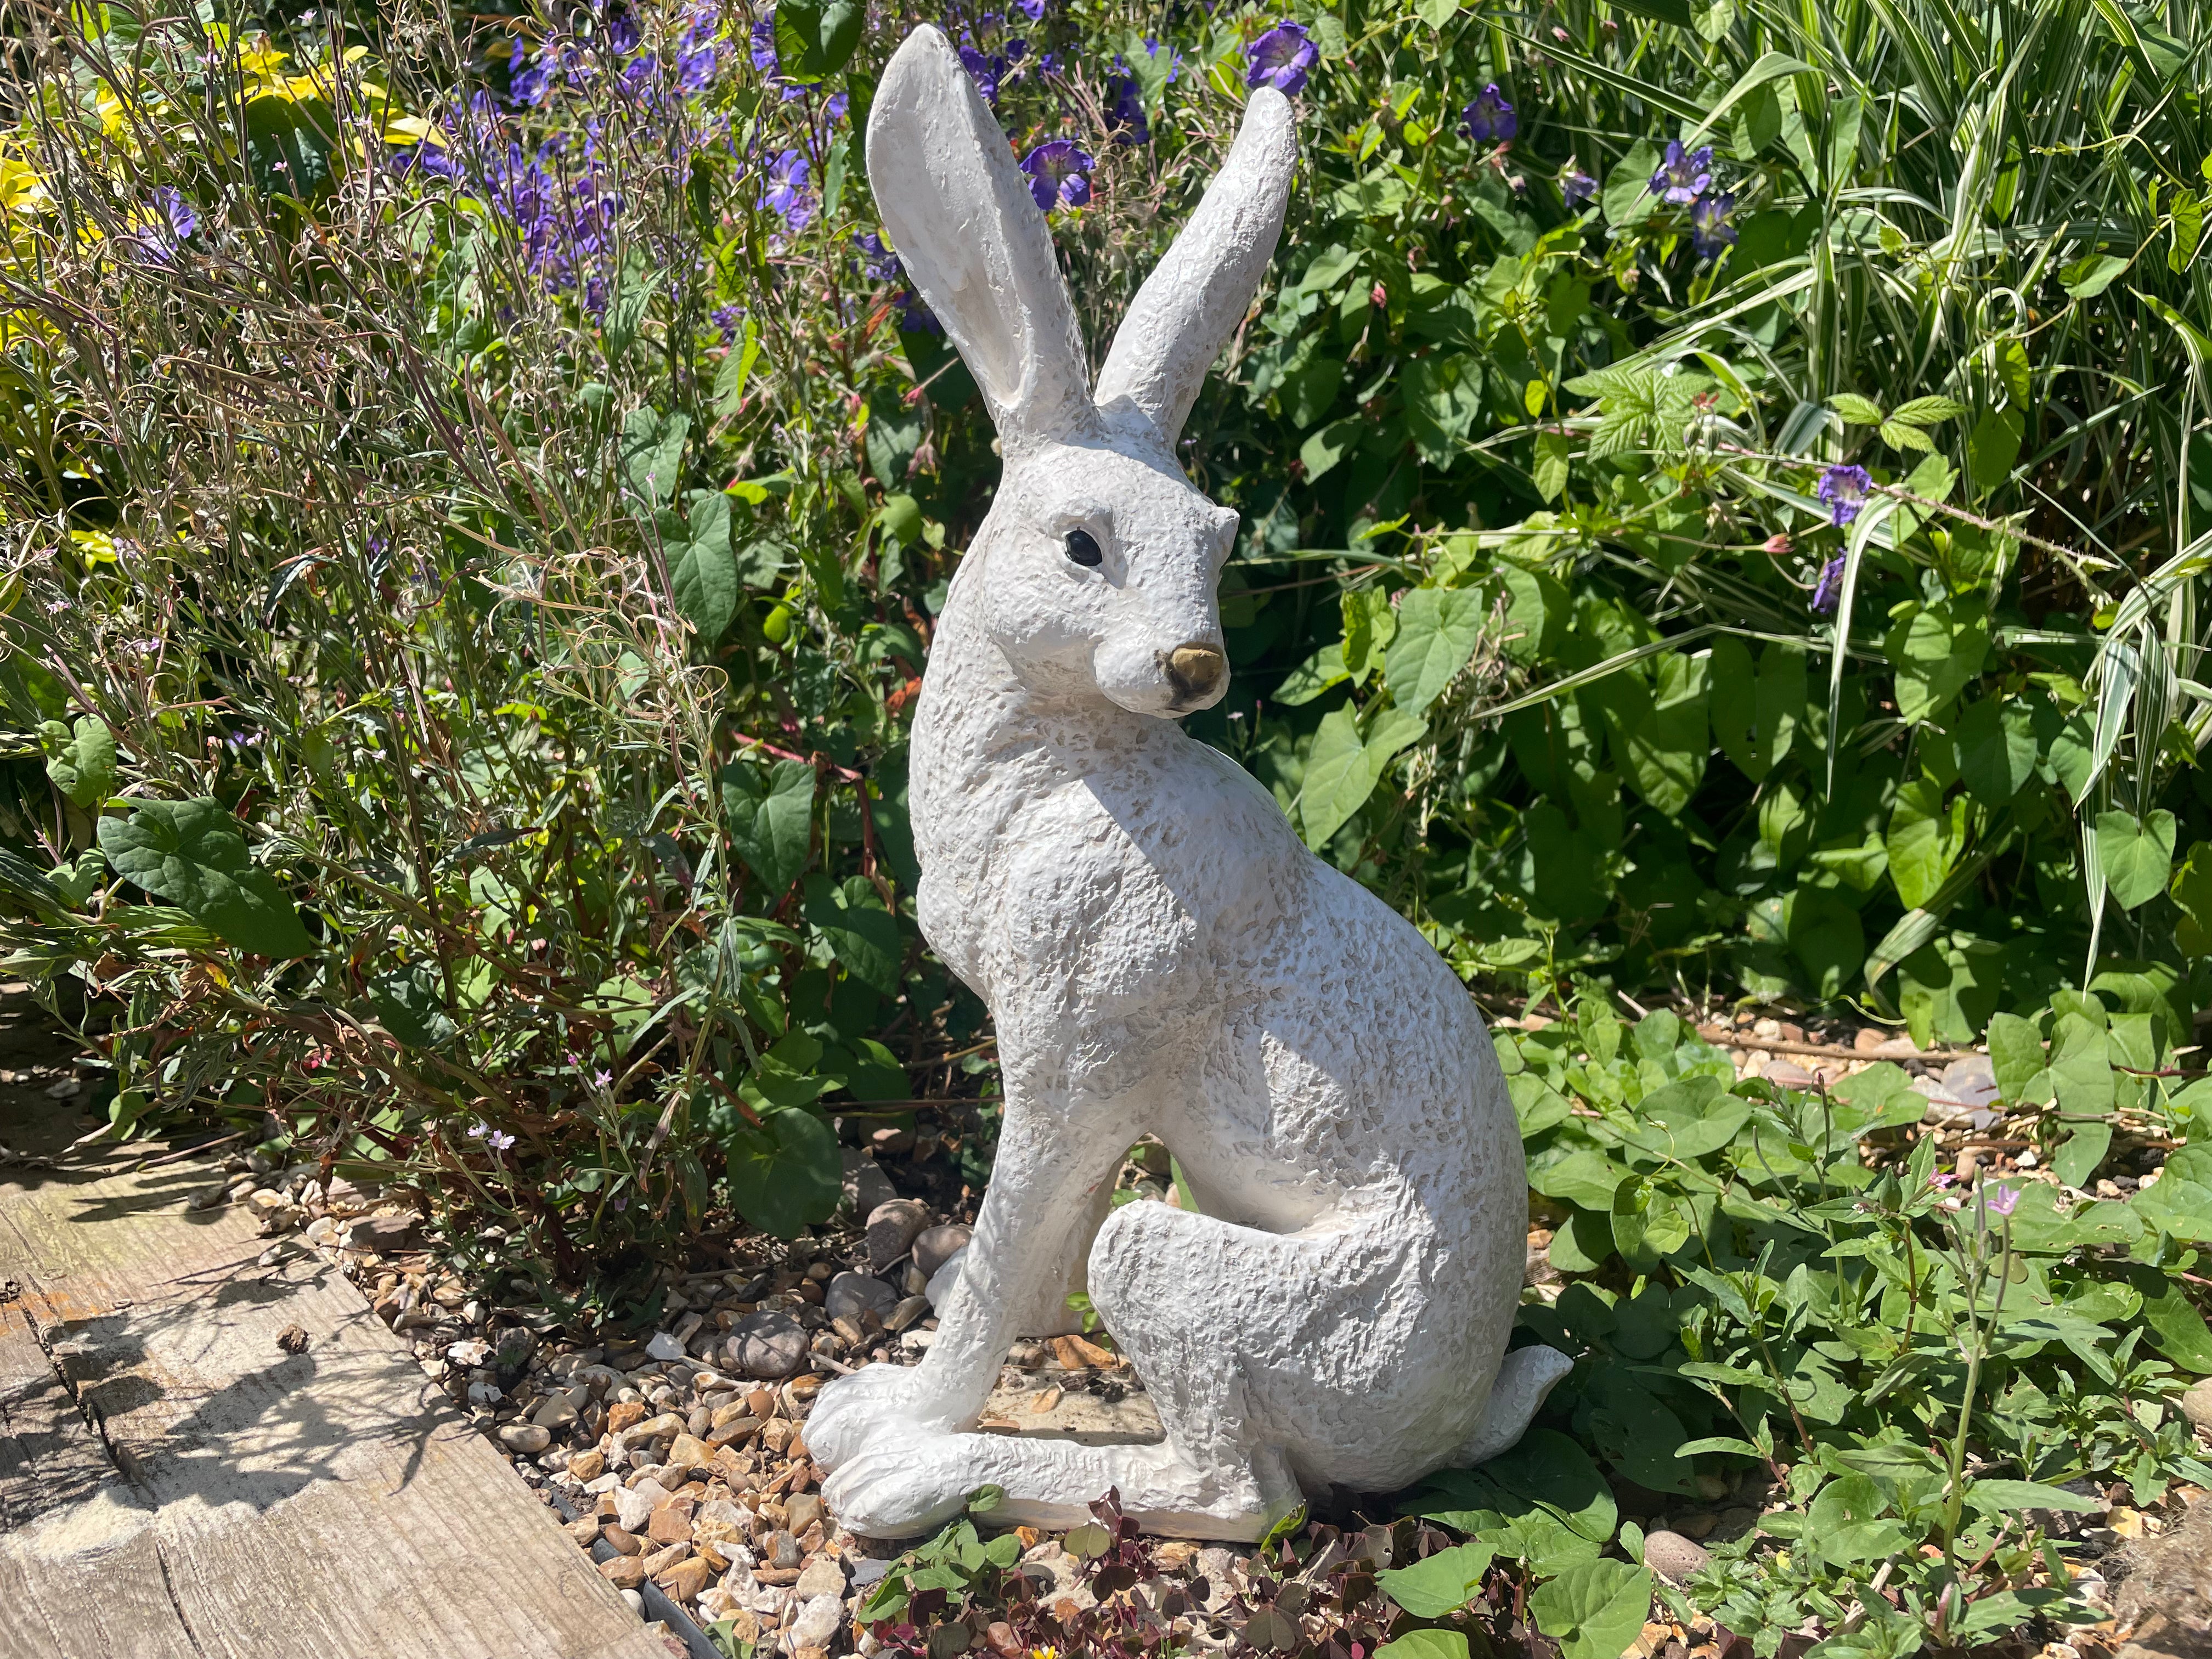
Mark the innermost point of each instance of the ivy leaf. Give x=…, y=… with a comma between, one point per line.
x=768, y=817
x=192, y=853
x=1442, y=396
x=80, y=762
x=863, y=935
x=2136, y=854
x=817, y=38
x=785, y=1175
x=1438, y=628
x=1594, y=1609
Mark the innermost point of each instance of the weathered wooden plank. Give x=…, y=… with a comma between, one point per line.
x=81, y=1573
x=327, y=1502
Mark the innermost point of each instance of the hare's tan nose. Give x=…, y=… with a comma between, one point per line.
x=1196, y=669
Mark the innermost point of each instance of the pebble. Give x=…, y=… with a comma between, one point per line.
x=868, y=1188
x=892, y=1229
x=2197, y=1404
x=851, y=1295
x=823, y=1576
x=636, y=1602
x=665, y=1345
x=767, y=1346
x=386, y=1233
x=936, y=1246
x=1673, y=1557
x=802, y=1511
x=624, y=1572
x=687, y=1578
x=817, y=1621
x=529, y=1438
x=556, y=1411
x=909, y=1312
x=471, y=1350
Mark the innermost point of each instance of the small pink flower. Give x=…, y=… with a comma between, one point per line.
x=1941, y=1180
x=2002, y=1201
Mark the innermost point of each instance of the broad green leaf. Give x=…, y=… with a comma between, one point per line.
x=1628, y=199
x=1995, y=740
x=785, y=1176
x=2091, y=275
x=1313, y=676
x=815, y=38
x=1425, y=1645
x=1443, y=1584
x=703, y=570
x=192, y=853
x=863, y=935
x=1342, y=769
x=1594, y=1609
x=768, y=816
x=2076, y=1161
x=1925, y=838
x=1936, y=651
x=2192, y=890
x=1549, y=1470
x=2136, y=855
x=1657, y=734
x=80, y=760
x=652, y=454
x=1443, y=396
x=1755, y=713
x=2009, y=1497
x=1581, y=1176
x=1437, y=631
x=408, y=1003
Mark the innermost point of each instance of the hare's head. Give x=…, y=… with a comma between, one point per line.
x=1095, y=570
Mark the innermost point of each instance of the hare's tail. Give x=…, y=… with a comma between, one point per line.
x=1527, y=1375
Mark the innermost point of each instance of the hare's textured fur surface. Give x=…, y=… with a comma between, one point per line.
x=1160, y=951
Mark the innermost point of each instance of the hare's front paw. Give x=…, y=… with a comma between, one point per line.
x=875, y=1404
x=900, y=1486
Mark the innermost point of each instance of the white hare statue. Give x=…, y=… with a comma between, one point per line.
x=1160, y=951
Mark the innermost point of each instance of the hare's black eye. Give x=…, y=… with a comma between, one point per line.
x=1082, y=547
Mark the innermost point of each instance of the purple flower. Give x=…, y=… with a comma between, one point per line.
x=1845, y=490
x=1060, y=175
x=2002, y=1201
x=1490, y=119
x=433, y=159
x=1032, y=10
x=602, y=1077
x=624, y=34
x=837, y=105
x=985, y=72
x=764, y=47
x=878, y=261
x=695, y=51
x=1124, y=110
x=916, y=317
x=479, y=1130
x=184, y=219
x=499, y=1140
x=1829, y=588
x=530, y=82
x=1576, y=185
x=727, y=319
x=1709, y=229
x=1280, y=58
x=1685, y=174
x=786, y=192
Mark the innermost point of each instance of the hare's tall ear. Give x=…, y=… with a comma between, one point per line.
x=969, y=235
x=1192, y=303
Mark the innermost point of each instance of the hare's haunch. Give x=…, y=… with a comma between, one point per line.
x=1160, y=952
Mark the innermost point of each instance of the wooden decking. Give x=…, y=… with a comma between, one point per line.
x=175, y=1485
